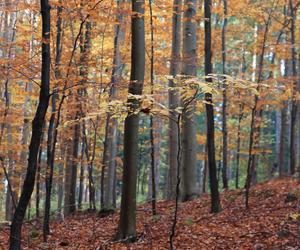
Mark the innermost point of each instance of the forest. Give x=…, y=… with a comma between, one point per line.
x=149, y=124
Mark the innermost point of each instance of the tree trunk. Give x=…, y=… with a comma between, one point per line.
x=71, y=172
x=283, y=142
x=9, y=35
x=293, y=10
x=81, y=179
x=110, y=144
x=90, y=160
x=238, y=154
x=212, y=168
x=154, y=173
x=224, y=107
x=256, y=119
x=127, y=223
x=37, y=186
x=60, y=191
x=154, y=145
x=174, y=99
x=204, y=177
x=240, y=117
x=38, y=178
x=37, y=130
x=52, y=132
x=189, y=144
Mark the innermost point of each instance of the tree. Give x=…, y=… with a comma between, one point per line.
x=110, y=143
x=52, y=130
x=154, y=150
x=256, y=117
x=127, y=223
x=71, y=170
x=189, y=144
x=174, y=99
x=37, y=126
x=293, y=155
x=210, y=127
x=224, y=107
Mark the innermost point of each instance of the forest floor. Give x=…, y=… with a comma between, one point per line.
x=272, y=222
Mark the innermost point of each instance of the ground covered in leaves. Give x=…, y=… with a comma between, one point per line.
x=272, y=222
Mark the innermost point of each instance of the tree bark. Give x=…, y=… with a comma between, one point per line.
x=224, y=107
x=212, y=168
x=90, y=159
x=293, y=11
x=38, y=178
x=60, y=191
x=52, y=131
x=110, y=143
x=189, y=144
x=81, y=178
x=127, y=223
x=71, y=171
x=174, y=99
x=256, y=118
x=154, y=155
x=154, y=173
x=37, y=129
x=283, y=142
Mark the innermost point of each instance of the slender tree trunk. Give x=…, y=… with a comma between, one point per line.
x=81, y=178
x=109, y=164
x=127, y=223
x=37, y=186
x=238, y=149
x=12, y=193
x=90, y=160
x=283, y=142
x=189, y=144
x=173, y=228
x=72, y=150
x=224, y=107
x=204, y=180
x=240, y=118
x=294, y=90
x=152, y=137
x=60, y=191
x=37, y=127
x=110, y=144
x=52, y=132
x=256, y=118
x=154, y=173
x=38, y=178
x=212, y=168
x=174, y=99
x=71, y=172
x=84, y=50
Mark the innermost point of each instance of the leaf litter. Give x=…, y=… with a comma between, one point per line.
x=272, y=222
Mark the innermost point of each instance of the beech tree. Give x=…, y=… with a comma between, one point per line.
x=110, y=143
x=127, y=223
x=294, y=106
x=210, y=127
x=37, y=126
x=174, y=98
x=189, y=145
x=224, y=107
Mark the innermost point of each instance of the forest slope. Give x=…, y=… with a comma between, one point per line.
x=273, y=222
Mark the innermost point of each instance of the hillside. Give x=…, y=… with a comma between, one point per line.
x=273, y=222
